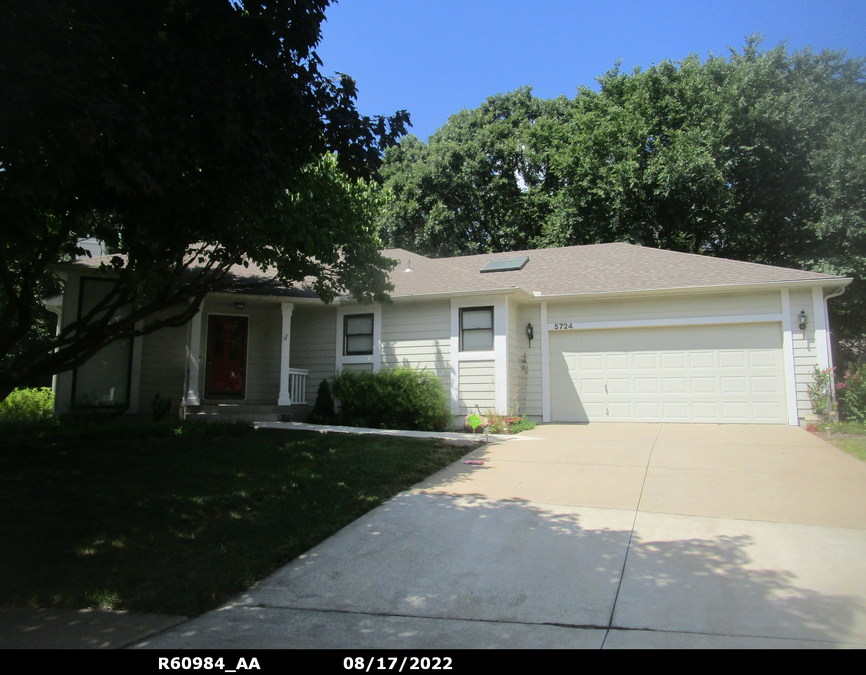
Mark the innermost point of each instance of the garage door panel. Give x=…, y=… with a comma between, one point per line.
x=618, y=362
x=733, y=385
x=703, y=385
x=735, y=411
x=619, y=385
x=674, y=385
x=590, y=363
x=671, y=361
x=732, y=359
x=620, y=411
x=763, y=359
x=677, y=374
x=646, y=385
x=765, y=385
x=647, y=411
x=675, y=411
x=591, y=386
x=705, y=411
x=645, y=361
x=702, y=360
x=766, y=410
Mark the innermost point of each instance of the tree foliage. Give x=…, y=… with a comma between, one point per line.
x=758, y=157
x=190, y=136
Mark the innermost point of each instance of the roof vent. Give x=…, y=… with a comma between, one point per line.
x=409, y=266
x=506, y=264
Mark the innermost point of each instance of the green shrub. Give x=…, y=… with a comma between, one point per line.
x=507, y=424
x=27, y=405
x=522, y=424
x=400, y=398
x=323, y=410
x=851, y=393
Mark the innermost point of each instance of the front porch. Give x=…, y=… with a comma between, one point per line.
x=239, y=353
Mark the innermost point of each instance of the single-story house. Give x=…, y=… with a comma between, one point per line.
x=608, y=332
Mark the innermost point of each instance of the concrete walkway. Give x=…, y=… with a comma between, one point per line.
x=614, y=536
x=455, y=436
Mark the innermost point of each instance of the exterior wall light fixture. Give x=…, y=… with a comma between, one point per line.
x=801, y=320
x=529, y=333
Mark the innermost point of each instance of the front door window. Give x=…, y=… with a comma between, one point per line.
x=227, y=355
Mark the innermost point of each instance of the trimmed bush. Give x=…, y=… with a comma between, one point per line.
x=27, y=405
x=851, y=393
x=323, y=410
x=400, y=398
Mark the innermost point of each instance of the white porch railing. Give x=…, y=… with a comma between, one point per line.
x=298, y=385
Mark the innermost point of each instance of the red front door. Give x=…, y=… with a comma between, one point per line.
x=226, y=355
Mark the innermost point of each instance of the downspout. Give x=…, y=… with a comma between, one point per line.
x=839, y=291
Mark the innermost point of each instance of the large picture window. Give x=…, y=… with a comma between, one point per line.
x=358, y=335
x=476, y=329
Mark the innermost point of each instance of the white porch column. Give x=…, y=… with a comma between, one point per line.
x=545, y=365
x=285, y=350
x=193, y=360
x=788, y=355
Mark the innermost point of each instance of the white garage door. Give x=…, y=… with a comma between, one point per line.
x=723, y=373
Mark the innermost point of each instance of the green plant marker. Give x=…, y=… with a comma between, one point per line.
x=474, y=421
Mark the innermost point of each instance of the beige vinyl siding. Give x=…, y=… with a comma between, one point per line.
x=805, y=351
x=530, y=314
x=314, y=345
x=163, y=367
x=264, y=327
x=477, y=389
x=418, y=335
x=698, y=305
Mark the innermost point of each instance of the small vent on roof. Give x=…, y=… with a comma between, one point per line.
x=506, y=264
x=409, y=266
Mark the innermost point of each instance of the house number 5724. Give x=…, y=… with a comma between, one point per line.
x=562, y=326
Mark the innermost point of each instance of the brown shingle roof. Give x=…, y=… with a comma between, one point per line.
x=570, y=270
x=578, y=270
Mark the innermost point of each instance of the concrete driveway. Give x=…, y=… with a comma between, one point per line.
x=604, y=535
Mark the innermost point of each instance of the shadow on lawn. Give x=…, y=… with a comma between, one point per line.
x=176, y=525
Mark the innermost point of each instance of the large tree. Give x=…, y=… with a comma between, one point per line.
x=758, y=157
x=190, y=136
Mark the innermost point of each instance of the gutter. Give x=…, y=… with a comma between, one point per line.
x=697, y=290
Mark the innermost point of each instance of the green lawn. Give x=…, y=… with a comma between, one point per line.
x=847, y=436
x=176, y=519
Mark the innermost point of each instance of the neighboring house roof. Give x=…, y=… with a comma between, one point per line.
x=570, y=270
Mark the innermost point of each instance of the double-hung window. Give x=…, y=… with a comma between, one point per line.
x=476, y=329
x=357, y=334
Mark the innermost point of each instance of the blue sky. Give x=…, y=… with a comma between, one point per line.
x=434, y=58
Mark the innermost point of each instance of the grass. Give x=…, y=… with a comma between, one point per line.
x=847, y=436
x=176, y=518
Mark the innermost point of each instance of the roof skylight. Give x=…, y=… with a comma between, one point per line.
x=506, y=264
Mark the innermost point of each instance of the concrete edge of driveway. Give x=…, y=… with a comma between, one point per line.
x=454, y=436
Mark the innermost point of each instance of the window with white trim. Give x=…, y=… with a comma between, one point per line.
x=357, y=334
x=476, y=329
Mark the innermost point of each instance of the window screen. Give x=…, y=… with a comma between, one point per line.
x=476, y=329
x=358, y=334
